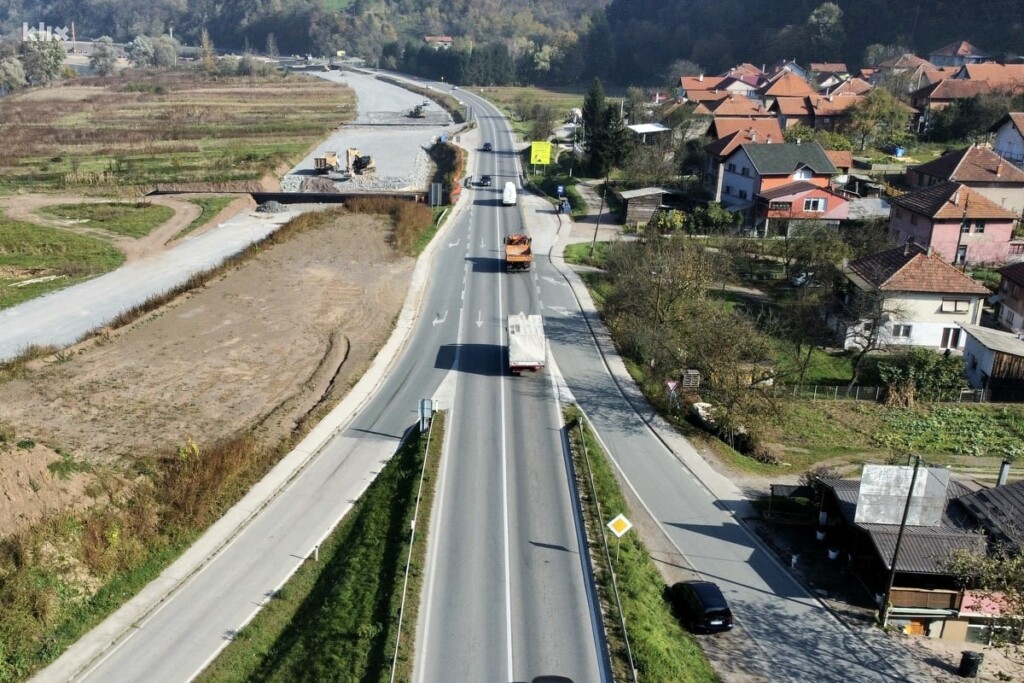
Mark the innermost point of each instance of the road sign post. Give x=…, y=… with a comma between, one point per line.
x=619, y=526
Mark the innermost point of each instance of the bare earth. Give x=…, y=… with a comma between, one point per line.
x=262, y=344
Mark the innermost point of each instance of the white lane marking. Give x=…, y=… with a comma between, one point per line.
x=553, y=281
x=562, y=310
x=479, y=318
x=504, y=476
x=439, y=319
x=437, y=519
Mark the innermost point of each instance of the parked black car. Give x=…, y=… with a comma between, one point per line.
x=701, y=606
x=488, y=147
x=485, y=181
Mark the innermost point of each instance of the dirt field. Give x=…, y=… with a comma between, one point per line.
x=262, y=344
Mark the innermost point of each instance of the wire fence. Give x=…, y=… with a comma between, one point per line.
x=828, y=392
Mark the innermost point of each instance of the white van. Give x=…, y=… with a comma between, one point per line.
x=508, y=196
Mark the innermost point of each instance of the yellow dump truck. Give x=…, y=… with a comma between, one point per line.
x=326, y=163
x=518, y=253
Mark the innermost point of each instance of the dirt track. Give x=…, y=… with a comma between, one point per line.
x=259, y=345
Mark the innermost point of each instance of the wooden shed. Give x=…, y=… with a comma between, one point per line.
x=994, y=360
x=641, y=205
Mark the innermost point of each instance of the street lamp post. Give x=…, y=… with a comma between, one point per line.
x=884, y=607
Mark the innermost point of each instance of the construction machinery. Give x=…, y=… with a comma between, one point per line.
x=518, y=253
x=326, y=163
x=356, y=163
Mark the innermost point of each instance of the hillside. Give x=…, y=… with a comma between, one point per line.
x=553, y=41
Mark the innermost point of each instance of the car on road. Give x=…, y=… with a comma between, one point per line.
x=485, y=181
x=488, y=147
x=700, y=606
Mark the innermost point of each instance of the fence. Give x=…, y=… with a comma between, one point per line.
x=826, y=392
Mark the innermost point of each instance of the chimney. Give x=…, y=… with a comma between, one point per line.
x=753, y=135
x=1004, y=473
x=768, y=139
x=956, y=197
x=999, y=167
x=700, y=78
x=906, y=248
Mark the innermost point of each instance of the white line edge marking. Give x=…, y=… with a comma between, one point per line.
x=504, y=473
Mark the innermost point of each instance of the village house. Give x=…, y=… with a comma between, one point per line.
x=994, y=361
x=957, y=54
x=1009, y=142
x=959, y=223
x=924, y=298
x=1010, y=297
x=979, y=168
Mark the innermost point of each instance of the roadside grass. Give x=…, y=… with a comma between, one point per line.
x=53, y=257
x=132, y=220
x=66, y=573
x=337, y=618
x=516, y=103
x=210, y=206
x=126, y=134
x=662, y=650
x=579, y=254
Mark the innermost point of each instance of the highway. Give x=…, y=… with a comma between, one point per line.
x=507, y=594
x=508, y=586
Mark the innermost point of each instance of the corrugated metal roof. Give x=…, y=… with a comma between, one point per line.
x=999, y=509
x=924, y=549
x=996, y=340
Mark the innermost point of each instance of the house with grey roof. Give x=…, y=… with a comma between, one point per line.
x=753, y=169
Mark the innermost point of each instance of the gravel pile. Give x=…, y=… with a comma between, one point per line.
x=271, y=207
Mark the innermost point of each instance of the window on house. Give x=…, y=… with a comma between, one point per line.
x=780, y=206
x=956, y=305
x=745, y=171
x=961, y=254
x=979, y=227
x=802, y=174
x=973, y=361
x=902, y=331
x=816, y=204
x=1009, y=316
x=731, y=168
x=950, y=338
x=728, y=189
x=743, y=194
x=965, y=226
x=913, y=219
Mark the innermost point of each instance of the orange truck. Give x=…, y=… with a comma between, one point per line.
x=518, y=253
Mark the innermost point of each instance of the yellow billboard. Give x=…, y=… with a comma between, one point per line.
x=540, y=153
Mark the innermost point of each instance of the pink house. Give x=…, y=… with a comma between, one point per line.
x=787, y=206
x=957, y=222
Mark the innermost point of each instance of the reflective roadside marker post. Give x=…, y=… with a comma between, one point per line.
x=619, y=526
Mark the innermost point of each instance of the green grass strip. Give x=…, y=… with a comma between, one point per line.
x=210, y=206
x=131, y=220
x=662, y=650
x=337, y=619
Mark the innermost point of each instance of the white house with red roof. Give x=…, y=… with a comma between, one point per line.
x=1009, y=142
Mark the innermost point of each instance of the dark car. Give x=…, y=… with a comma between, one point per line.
x=701, y=606
x=485, y=181
x=488, y=147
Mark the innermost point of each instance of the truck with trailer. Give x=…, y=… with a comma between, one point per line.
x=518, y=253
x=527, y=347
x=508, y=195
x=328, y=163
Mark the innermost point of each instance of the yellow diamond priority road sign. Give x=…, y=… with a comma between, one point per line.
x=620, y=525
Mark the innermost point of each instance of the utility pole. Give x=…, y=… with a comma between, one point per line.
x=884, y=607
x=593, y=242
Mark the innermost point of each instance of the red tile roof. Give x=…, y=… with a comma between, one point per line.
x=974, y=164
x=706, y=95
x=912, y=269
x=856, y=86
x=999, y=75
x=696, y=83
x=738, y=105
x=745, y=69
x=951, y=89
x=840, y=159
x=904, y=61
x=753, y=131
x=828, y=67
x=787, y=84
x=948, y=200
x=793, y=106
x=763, y=128
x=833, y=104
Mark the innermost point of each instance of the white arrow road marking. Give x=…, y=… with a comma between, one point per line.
x=553, y=281
x=438, y=319
x=559, y=309
x=479, y=318
x=455, y=243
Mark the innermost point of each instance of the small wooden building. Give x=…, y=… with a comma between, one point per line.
x=641, y=205
x=994, y=361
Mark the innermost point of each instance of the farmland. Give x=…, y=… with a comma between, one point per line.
x=129, y=134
